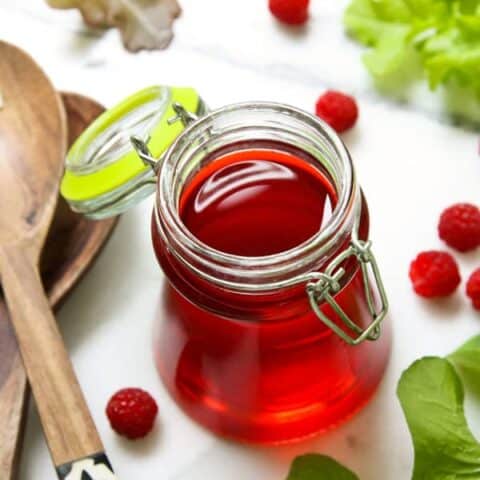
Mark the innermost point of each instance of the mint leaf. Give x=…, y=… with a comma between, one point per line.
x=432, y=397
x=318, y=467
x=467, y=360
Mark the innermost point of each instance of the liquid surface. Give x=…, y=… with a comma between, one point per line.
x=257, y=202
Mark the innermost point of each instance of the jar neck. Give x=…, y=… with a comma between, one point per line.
x=272, y=122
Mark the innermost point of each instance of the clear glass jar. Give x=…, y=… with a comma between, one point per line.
x=279, y=347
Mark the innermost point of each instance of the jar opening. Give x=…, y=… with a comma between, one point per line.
x=257, y=198
x=222, y=132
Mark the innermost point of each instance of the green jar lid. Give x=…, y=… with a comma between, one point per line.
x=104, y=176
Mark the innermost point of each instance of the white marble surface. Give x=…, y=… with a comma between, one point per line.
x=411, y=164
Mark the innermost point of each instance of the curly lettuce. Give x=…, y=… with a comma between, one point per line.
x=443, y=36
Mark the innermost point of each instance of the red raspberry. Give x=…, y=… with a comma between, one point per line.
x=473, y=288
x=340, y=111
x=459, y=226
x=132, y=412
x=292, y=12
x=434, y=274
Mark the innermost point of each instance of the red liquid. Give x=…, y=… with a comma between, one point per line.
x=262, y=203
x=261, y=368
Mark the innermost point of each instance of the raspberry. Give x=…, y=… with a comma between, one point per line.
x=292, y=12
x=473, y=288
x=459, y=226
x=434, y=274
x=340, y=111
x=132, y=412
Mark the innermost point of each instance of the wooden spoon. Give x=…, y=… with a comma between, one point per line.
x=73, y=243
x=32, y=151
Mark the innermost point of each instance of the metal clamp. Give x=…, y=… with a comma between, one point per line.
x=144, y=153
x=141, y=147
x=182, y=114
x=328, y=284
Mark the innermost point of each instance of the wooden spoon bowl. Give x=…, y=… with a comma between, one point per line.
x=72, y=245
x=73, y=241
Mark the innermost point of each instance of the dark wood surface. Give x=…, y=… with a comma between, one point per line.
x=73, y=242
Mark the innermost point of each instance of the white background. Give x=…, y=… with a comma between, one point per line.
x=411, y=164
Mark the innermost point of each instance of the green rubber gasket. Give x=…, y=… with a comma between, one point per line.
x=77, y=187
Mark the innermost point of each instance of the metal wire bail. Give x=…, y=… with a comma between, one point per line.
x=144, y=153
x=182, y=114
x=328, y=284
x=141, y=147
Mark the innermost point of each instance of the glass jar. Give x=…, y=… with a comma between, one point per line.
x=262, y=349
x=274, y=348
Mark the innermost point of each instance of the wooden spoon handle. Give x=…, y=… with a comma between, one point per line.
x=69, y=428
x=13, y=399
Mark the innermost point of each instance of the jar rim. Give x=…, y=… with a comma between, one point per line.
x=255, y=272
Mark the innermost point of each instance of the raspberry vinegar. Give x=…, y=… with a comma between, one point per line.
x=267, y=330
x=261, y=367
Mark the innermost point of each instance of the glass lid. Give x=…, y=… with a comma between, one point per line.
x=104, y=176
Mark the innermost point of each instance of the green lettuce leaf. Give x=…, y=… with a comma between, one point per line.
x=390, y=55
x=318, y=467
x=430, y=9
x=443, y=34
x=369, y=21
x=386, y=26
x=432, y=398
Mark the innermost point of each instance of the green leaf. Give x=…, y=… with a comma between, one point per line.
x=460, y=66
x=430, y=8
x=432, y=397
x=468, y=21
x=469, y=6
x=386, y=26
x=390, y=54
x=392, y=10
x=443, y=36
x=467, y=360
x=368, y=21
x=318, y=467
